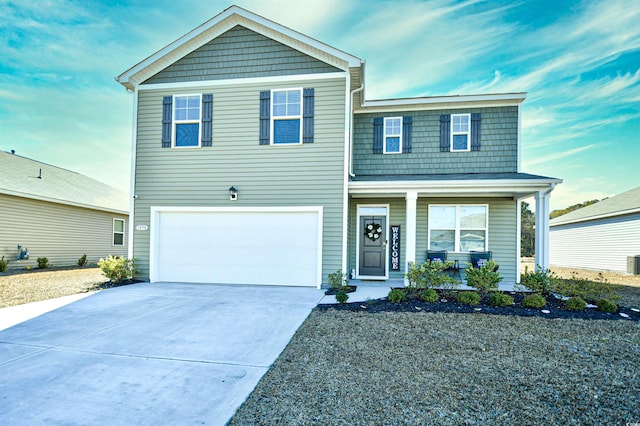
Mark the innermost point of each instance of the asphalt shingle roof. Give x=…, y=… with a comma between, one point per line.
x=19, y=176
x=623, y=203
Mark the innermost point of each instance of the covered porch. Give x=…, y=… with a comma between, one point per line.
x=407, y=206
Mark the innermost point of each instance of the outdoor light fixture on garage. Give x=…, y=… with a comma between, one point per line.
x=233, y=194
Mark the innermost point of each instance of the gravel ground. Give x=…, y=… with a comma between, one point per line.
x=37, y=285
x=360, y=368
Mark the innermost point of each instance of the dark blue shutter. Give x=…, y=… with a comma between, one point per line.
x=475, y=132
x=207, y=115
x=307, y=116
x=378, y=129
x=167, y=105
x=406, y=134
x=445, y=128
x=265, y=115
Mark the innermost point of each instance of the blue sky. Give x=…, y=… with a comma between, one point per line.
x=579, y=62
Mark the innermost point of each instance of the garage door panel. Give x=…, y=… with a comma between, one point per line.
x=239, y=247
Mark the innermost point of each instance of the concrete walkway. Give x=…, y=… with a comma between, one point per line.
x=147, y=354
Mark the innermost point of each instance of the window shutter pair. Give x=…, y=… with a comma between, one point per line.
x=378, y=134
x=307, y=116
x=445, y=132
x=206, y=119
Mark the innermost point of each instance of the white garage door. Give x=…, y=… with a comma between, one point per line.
x=269, y=246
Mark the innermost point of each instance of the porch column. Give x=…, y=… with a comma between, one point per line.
x=410, y=231
x=542, y=228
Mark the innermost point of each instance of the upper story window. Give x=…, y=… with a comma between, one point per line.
x=458, y=228
x=186, y=121
x=460, y=132
x=118, y=232
x=286, y=116
x=393, y=135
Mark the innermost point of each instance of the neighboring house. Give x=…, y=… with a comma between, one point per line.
x=600, y=236
x=58, y=214
x=243, y=103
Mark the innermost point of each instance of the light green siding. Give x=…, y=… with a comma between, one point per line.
x=498, y=152
x=293, y=175
x=240, y=53
x=503, y=235
x=59, y=232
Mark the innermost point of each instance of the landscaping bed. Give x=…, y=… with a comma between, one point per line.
x=447, y=302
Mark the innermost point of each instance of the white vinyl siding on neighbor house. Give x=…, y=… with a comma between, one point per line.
x=602, y=244
x=302, y=175
x=44, y=229
x=392, y=135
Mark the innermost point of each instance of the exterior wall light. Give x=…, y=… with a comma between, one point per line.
x=233, y=194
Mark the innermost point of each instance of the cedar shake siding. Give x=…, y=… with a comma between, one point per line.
x=306, y=174
x=494, y=151
x=240, y=53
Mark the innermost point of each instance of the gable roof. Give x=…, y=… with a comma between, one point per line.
x=223, y=22
x=19, y=176
x=621, y=204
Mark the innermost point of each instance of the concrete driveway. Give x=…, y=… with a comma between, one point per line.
x=147, y=354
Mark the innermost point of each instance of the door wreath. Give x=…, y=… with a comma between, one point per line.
x=373, y=231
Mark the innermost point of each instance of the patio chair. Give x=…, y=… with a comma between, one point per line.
x=436, y=256
x=479, y=258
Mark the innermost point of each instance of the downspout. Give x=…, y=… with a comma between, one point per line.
x=353, y=92
x=132, y=185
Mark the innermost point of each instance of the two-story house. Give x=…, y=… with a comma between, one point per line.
x=257, y=160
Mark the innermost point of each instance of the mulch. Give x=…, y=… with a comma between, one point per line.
x=447, y=303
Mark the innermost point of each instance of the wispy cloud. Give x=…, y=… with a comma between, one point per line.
x=559, y=155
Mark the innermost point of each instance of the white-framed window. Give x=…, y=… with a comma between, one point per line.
x=460, y=132
x=392, y=135
x=118, y=232
x=458, y=228
x=187, y=116
x=286, y=116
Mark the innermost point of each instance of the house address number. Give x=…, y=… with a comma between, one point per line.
x=395, y=247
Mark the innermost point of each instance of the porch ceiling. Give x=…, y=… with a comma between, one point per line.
x=511, y=185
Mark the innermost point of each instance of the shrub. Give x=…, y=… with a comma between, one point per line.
x=3, y=264
x=342, y=296
x=338, y=280
x=590, y=291
x=429, y=295
x=43, y=262
x=605, y=305
x=397, y=295
x=501, y=300
x=575, y=304
x=117, y=268
x=484, y=278
x=82, y=261
x=430, y=275
x=542, y=280
x=534, y=301
x=470, y=298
